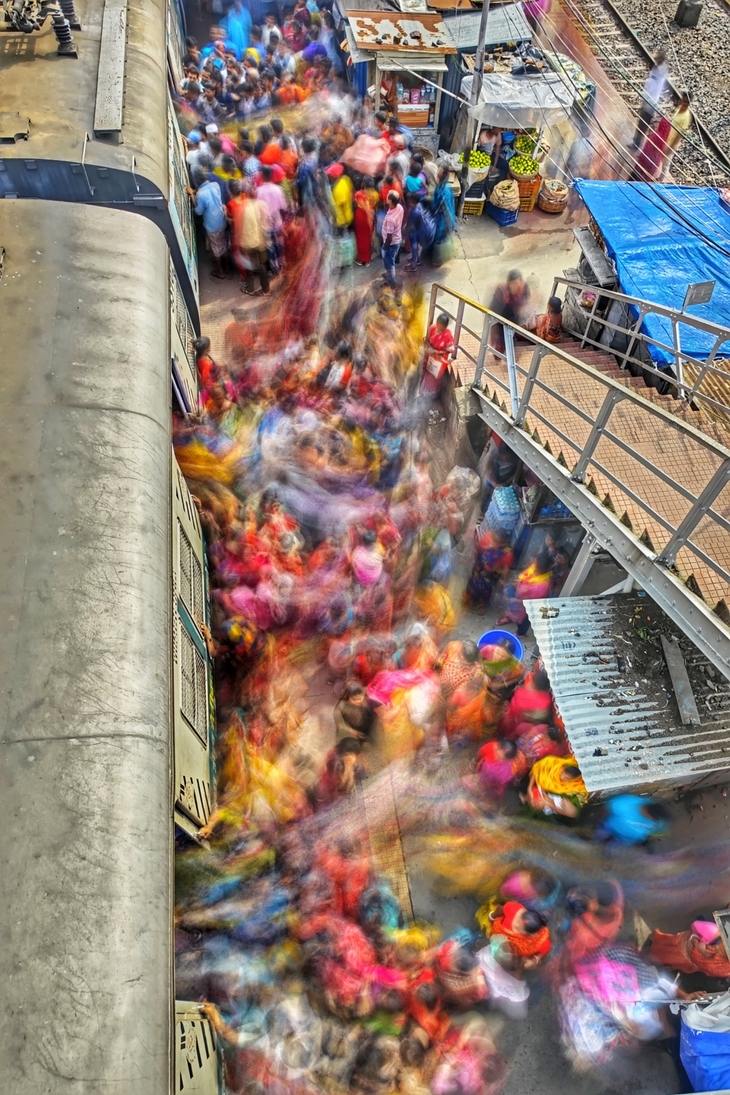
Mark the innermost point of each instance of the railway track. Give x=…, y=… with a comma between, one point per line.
x=627, y=62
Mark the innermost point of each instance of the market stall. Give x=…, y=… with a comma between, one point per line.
x=406, y=61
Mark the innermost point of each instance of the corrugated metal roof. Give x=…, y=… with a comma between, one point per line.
x=505, y=24
x=613, y=691
x=420, y=32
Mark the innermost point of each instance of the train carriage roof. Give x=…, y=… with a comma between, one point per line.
x=58, y=94
x=84, y=650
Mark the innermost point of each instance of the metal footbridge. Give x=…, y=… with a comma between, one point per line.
x=647, y=474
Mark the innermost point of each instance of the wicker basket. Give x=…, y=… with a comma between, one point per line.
x=528, y=194
x=552, y=200
x=522, y=178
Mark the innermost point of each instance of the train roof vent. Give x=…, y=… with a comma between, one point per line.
x=110, y=76
x=13, y=127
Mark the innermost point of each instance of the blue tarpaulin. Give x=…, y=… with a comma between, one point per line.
x=663, y=238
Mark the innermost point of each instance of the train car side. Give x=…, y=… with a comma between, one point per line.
x=85, y=683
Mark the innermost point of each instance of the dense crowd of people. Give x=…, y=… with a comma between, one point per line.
x=251, y=173
x=330, y=542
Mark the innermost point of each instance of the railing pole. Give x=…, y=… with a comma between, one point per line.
x=537, y=357
x=459, y=321
x=483, y=347
x=509, y=345
x=612, y=398
x=695, y=515
x=432, y=303
x=634, y=334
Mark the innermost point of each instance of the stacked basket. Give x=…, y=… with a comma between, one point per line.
x=553, y=196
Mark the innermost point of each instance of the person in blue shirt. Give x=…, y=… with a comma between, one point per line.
x=219, y=34
x=632, y=819
x=209, y=206
x=238, y=24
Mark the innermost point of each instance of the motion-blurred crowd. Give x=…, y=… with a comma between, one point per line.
x=354, y=727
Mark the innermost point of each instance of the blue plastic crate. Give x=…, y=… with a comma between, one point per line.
x=501, y=216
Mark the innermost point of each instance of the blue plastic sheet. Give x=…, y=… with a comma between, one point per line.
x=706, y=1058
x=662, y=239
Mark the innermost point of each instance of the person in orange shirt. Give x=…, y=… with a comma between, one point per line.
x=271, y=152
x=289, y=159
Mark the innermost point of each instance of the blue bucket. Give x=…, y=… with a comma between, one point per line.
x=494, y=637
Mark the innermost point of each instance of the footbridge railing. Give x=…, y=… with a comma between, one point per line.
x=651, y=488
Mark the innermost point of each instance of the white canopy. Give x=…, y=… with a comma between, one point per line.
x=521, y=102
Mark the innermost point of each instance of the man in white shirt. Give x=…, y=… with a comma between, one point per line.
x=653, y=91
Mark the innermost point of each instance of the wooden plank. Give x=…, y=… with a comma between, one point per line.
x=688, y=712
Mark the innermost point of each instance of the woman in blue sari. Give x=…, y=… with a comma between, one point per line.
x=444, y=212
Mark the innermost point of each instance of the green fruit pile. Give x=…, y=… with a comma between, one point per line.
x=478, y=161
x=525, y=144
x=524, y=165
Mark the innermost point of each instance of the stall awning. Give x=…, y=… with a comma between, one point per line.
x=358, y=55
x=418, y=62
x=613, y=691
x=520, y=102
x=504, y=24
x=662, y=239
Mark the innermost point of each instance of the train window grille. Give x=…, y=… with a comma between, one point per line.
x=194, y=685
x=196, y=1050
x=191, y=577
x=178, y=182
x=175, y=40
x=182, y=319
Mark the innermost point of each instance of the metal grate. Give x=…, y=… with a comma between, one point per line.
x=178, y=182
x=191, y=576
x=194, y=685
x=181, y=318
x=196, y=1063
x=110, y=77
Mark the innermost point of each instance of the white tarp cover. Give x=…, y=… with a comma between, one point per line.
x=520, y=102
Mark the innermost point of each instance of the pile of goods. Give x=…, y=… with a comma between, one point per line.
x=478, y=161
x=525, y=144
x=523, y=167
x=506, y=195
x=553, y=196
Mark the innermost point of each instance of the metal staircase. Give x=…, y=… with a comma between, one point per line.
x=647, y=476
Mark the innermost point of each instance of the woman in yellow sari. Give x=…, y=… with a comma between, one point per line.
x=556, y=787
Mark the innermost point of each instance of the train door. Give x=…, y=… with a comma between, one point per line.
x=193, y=700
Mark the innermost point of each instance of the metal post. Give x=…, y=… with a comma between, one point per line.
x=580, y=568
x=537, y=357
x=612, y=398
x=432, y=303
x=678, y=366
x=509, y=345
x=459, y=321
x=483, y=347
x=634, y=334
x=476, y=90
x=695, y=515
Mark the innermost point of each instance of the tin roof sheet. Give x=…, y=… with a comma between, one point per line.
x=420, y=32
x=613, y=691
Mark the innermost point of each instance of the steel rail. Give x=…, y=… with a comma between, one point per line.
x=652, y=569
x=720, y=155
